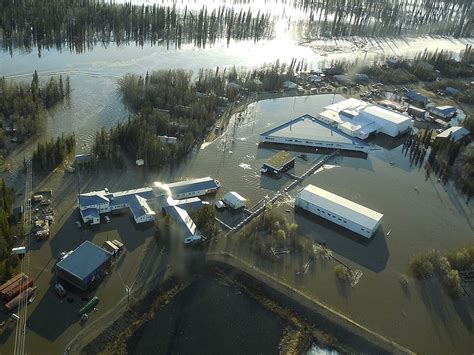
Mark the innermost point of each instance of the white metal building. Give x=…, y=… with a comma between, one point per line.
x=234, y=200
x=360, y=119
x=187, y=228
x=189, y=188
x=308, y=131
x=339, y=210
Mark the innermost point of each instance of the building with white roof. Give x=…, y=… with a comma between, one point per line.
x=94, y=203
x=453, y=133
x=337, y=209
x=360, y=119
x=234, y=200
x=187, y=229
x=307, y=131
x=188, y=188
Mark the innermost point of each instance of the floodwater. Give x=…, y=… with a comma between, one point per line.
x=420, y=212
x=213, y=318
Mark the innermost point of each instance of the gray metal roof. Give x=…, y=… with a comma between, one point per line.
x=307, y=127
x=92, y=198
x=182, y=187
x=84, y=260
x=139, y=206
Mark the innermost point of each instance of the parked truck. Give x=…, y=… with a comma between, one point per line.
x=89, y=306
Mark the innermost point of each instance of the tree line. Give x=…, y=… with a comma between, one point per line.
x=171, y=103
x=22, y=106
x=376, y=18
x=79, y=25
x=7, y=261
x=49, y=155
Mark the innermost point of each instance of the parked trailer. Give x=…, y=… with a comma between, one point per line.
x=110, y=247
x=90, y=305
x=19, y=251
x=10, y=282
x=11, y=305
x=15, y=289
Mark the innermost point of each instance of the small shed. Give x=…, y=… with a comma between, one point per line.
x=234, y=200
x=139, y=162
x=279, y=163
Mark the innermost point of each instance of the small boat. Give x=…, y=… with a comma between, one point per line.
x=388, y=233
x=32, y=298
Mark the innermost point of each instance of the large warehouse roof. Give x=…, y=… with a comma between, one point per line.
x=84, y=260
x=386, y=114
x=339, y=205
x=308, y=127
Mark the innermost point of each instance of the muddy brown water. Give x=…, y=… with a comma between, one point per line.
x=420, y=213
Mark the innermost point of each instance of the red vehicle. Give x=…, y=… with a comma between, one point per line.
x=60, y=290
x=9, y=306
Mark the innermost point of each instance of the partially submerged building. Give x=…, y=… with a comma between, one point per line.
x=189, y=188
x=94, y=203
x=337, y=209
x=234, y=200
x=361, y=119
x=279, y=163
x=307, y=131
x=84, y=265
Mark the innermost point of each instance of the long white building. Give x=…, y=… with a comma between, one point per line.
x=188, y=188
x=360, y=119
x=337, y=209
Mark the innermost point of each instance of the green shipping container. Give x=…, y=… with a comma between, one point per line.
x=90, y=305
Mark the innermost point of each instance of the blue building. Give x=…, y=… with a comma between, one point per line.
x=84, y=265
x=416, y=97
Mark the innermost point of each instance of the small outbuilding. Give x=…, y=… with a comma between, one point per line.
x=234, y=200
x=279, y=163
x=444, y=111
x=84, y=265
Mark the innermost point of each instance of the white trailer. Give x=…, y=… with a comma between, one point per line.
x=234, y=200
x=19, y=251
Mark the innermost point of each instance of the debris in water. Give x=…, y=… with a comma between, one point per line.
x=245, y=166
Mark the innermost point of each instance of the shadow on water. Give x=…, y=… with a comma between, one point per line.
x=372, y=254
x=239, y=323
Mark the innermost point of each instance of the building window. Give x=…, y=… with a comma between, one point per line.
x=344, y=221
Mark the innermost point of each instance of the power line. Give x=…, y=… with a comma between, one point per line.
x=20, y=331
